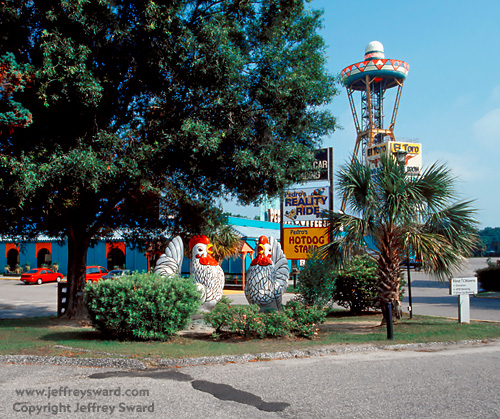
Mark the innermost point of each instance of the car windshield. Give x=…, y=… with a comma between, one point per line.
x=117, y=272
x=32, y=271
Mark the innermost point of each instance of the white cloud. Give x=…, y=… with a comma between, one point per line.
x=464, y=166
x=487, y=130
x=495, y=94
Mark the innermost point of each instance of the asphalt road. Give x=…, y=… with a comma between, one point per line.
x=429, y=297
x=432, y=382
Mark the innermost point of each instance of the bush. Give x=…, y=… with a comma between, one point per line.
x=489, y=278
x=305, y=318
x=356, y=284
x=316, y=282
x=235, y=319
x=142, y=306
x=294, y=319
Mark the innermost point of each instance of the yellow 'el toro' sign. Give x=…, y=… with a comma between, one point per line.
x=298, y=243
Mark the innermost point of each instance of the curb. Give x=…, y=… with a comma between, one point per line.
x=309, y=353
x=494, y=296
x=11, y=278
x=135, y=364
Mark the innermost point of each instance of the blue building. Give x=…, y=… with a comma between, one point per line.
x=115, y=252
x=47, y=251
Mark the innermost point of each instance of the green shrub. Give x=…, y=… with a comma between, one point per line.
x=294, y=319
x=356, y=284
x=233, y=318
x=305, y=318
x=489, y=278
x=273, y=324
x=142, y=306
x=316, y=282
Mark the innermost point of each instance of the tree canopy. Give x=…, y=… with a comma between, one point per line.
x=168, y=105
x=14, y=78
x=489, y=241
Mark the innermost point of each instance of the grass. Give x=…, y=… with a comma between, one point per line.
x=47, y=336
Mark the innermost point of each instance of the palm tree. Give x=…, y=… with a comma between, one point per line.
x=227, y=243
x=401, y=215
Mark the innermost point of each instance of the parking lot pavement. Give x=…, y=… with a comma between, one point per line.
x=431, y=297
x=21, y=300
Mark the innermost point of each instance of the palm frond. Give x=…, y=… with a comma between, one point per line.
x=394, y=204
x=457, y=224
x=347, y=238
x=355, y=182
x=435, y=187
x=439, y=256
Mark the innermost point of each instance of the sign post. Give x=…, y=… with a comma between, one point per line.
x=463, y=287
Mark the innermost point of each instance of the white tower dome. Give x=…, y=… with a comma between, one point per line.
x=374, y=49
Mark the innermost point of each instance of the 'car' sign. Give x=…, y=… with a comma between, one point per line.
x=321, y=165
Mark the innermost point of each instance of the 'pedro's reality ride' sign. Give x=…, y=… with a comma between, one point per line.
x=306, y=204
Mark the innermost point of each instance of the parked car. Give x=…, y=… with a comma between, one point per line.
x=95, y=273
x=40, y=275
x=414, y=264
x=115, y=273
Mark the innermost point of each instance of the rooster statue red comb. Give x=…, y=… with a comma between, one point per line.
x=198, y=239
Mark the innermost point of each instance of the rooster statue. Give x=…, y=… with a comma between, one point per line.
x=267, y=276
x=208, y=275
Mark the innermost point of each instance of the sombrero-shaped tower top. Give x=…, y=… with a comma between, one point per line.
x=375, y=65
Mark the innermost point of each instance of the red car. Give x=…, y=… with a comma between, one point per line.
x=95, y=273
x=40, y=275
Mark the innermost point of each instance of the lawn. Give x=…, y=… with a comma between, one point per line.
x=48, y=336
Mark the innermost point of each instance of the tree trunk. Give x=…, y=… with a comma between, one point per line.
x=389, y=275
x=77, y=261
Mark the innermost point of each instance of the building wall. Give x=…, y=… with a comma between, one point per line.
x=136, y=260
x=96, y=255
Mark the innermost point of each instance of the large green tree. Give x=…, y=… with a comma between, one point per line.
x=156, y=104
x=14, y=78
x=490, y=239
x=400, y=215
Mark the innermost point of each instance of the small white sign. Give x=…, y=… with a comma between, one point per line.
x=463, y=286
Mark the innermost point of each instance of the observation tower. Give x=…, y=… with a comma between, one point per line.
x=372, y=78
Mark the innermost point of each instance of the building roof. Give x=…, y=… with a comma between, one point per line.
x=253, y=229
x=249, y=233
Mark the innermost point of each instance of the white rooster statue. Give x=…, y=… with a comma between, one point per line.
x=267, y=276
x=208, y=274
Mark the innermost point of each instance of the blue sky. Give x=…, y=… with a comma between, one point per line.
x=451, y=97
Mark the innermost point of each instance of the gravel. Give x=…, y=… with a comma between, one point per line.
x=124, y=363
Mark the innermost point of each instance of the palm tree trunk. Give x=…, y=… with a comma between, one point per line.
x=389, y=275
